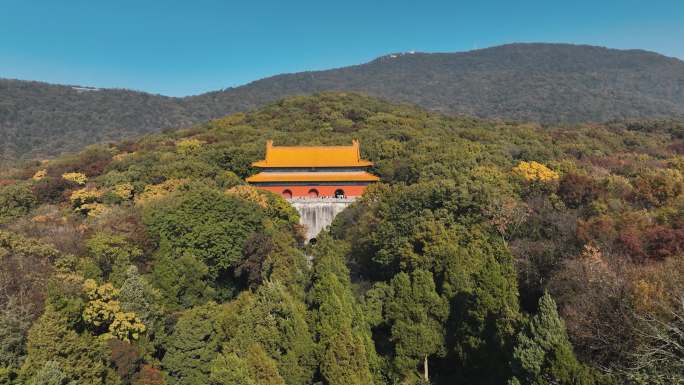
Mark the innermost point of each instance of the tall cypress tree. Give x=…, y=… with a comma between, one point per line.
x=416, y=314
x=277, y=321
x=195, y=342
x=344, y=359
x=245, y=365
x=543, y=354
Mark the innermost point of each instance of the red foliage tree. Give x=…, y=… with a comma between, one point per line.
x=630, y=243
x=51, y=189
x=126, y=359
x=149, y=375
x=662, y=242
x=577, y=190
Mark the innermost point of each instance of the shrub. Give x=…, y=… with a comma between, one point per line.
x=75, y=177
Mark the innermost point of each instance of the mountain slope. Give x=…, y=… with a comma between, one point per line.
x=529, y=82
x=591, y=214
x=533, y=82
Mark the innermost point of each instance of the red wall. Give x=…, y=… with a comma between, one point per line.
x=323, y=191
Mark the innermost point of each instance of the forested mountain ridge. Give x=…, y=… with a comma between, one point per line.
x=41, y=120
x=491, y=253
x=524, y=82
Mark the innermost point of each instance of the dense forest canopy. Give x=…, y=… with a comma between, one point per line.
x=549, y=83
x=491, y=253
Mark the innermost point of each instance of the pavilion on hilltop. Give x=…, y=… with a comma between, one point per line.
x=313, y=171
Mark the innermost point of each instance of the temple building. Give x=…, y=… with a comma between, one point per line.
x=318, y=181
x=313, y=172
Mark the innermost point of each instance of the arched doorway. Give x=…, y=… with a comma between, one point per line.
x=287, y=194
x=339, y=193
x=313, y=193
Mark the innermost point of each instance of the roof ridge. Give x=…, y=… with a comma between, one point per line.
x=313, y=156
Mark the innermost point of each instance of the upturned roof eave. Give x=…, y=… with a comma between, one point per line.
x=288, y=178
x=266, y=164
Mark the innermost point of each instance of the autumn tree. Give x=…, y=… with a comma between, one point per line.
x=103, y=313
x=149, y=375
x=126, y=359
x=138, y=296
x=660, y=359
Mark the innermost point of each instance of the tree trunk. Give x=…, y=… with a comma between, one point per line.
x=425, y=369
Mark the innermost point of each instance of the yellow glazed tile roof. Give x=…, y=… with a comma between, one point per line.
x=313, y=177
x=312, y=156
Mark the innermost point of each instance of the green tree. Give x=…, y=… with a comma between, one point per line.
x=207, y=224
x=416, y=314
x=15, y=321
x=286, y=263
x=543, y=354
x=82, y=358
x=50, y=374
x=7, y=376
x=113, y=254
x=252, y=367
x=480, y=279
x=340, y=328
x=229, y=369
x=193, y=345
x=15, y=200
x=183, y=281
x=277, y=321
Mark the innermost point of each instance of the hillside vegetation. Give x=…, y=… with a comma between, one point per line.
x=491, y=253
x=549, y=83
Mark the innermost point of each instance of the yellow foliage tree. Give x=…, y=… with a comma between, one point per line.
x=248, y=193
x=40, y=174
x=647, y=296
x=122, y=156
x=104, y=310
x=76, y=177
x=158, y=191
x=94, y=209
x=535, y=172
x=85, y=201
x=84, y=195
x=188, y=146
x=123, y=191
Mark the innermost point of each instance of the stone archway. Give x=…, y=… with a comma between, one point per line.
x=313, y=193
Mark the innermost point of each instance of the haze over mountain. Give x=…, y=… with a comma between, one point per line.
x=554, y=83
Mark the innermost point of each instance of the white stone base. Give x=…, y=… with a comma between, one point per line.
x=316, y=214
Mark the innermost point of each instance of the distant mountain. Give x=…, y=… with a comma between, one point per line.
x=553, y=83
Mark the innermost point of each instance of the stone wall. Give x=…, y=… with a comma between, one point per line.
x=318, y=213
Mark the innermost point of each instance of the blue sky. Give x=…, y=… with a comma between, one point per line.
x=188, y=47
